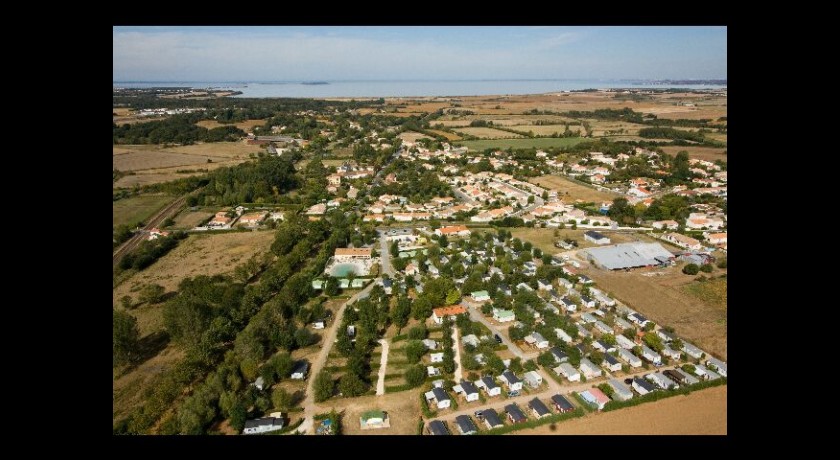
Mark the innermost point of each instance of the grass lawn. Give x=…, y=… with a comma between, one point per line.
x=540, y=143
x=138, y=208
x=712, y=292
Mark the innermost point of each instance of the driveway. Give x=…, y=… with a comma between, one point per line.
x=383, y=362
x=458, y=369
x=475, y=314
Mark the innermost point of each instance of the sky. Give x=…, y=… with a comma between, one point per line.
x=222, y=54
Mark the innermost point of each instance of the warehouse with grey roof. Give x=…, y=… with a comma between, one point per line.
x=629, y=255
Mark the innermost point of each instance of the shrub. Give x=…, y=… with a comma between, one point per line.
x=706, y=268
x=691, y=269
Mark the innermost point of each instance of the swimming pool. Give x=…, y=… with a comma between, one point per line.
x=342, y=270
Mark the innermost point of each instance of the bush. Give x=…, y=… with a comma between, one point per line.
x=415, y=375
x=413, y=350
x=418, y=332
x=721, y=263
x=691, y=269
x=706, y=268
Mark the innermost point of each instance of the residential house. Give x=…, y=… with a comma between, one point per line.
x=629, y=357
x=515, y=414
x=566, y=370
x=651, y=355
x=430, y=344
x=583, y=279
x=679, y=375
x=539, y=341
x=468, y=389
x=565, y=283
x=665, y=224
x=588, y=318
x=620, y=391
x=437, y=357
x=511, y=380
x=453, y=310
x=642, y=386
x=480, y=296
x=533, y=379
x=491, y=419
x=503, y=316
x=611, y=363
x=559, y=356
x=432, y=371
x=603, y=328
x=587, y=301
x=670, y=352
x=600, y=345
x=665, y=335
x=437, y=428
x=706, y=373
x=300, y=370
x=589, y=369
x=638, y=319
x=568, y=304
x=471, y=339
x=582, y=332
x=622, y=324
x=662, y=381
x=388, y=286
x=453, y=230
x=538, y=408
x=465, y=425
x=683, y=241
x=595, y=237
x=624, y=342
x=692, y=351
x=253, y=218
x=596, y=397
x=717, y=365
x=562, y=404
x=562, y=335
x=263, y=425
x=490, y=386
x=440, y=397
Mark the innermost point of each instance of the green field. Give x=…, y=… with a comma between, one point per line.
x=540, y=143
x=138, y=208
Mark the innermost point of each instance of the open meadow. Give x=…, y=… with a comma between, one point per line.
x=525, y=143
x=570, y=191
x=133, y=210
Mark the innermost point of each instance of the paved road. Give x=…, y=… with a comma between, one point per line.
x=475, y=314
x=385, y=255
x=327, y=343
x=461, y=195
x=153, y=222
x=383, y=363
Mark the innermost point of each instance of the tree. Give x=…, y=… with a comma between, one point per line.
x=152, y=293
x=323, y=386
x=721, y=263
x=516, y=365
x=331, y=287
x=281, y=399
x=415, y=375
x=691, y=269
x=400, y=312
x=495, y=364
x=126, y=302
x=706, y=268
x=418, y=332
x=413, y=350
x=545, y=359
x=351, y=385
x=304, y=338
x=126, y=336
x=453, y=296
x=395, y=249
x=238, y=415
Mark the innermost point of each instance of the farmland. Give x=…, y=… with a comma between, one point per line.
x=487, y=133
x=131, y=211
x=570, y=191
x=539, y=143
x=246, y=125
x=702, y=153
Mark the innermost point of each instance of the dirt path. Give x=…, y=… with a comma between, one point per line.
x=701, y=412
x=458, y=369
x=383, y=363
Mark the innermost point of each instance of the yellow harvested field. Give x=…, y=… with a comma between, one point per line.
x=412, y=136
x=612, y=128
x=200, y=254
x=703, y=153
x=569, y=191
x=403, y=409
x=246, y=125
x=448, y=135
x=702, y=412
x=487, y=133
x=452, y=123
x=146, y=159
x=187, y=219
x=546, y=130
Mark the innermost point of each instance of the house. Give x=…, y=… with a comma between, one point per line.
x=263, y=425
x=511, y=380
x=539, y=341
x=562, y=404
x=583, y=279
x=515, y=414
x=705, y=373
x=559, y=356
x=692, y=351
x=351, y=331
x=620, y=391
x=629, y=358
x=319, y=324
x=253, y=218
x=624, y=342
x=665, y=224
x=411, y=269
x=679, y=375
x=374, y=419
x=437, y=428
x=715, y=238
x=595, y=237
x=430, y=344
x=490, y=386
x=622, y=324
x=600, y=345
x=468, y=389
x=471, y=339
x=662, y=381
x=587, y=301
x=480, y=296
x=220, y=220
x=602, y=327
x=351, y=254
x=651, y=355
x=665, y=335
x=432, y=371
x=611, y=363
x=544, y=285
x=437, y=357
x=491, y=419
x=638, y=319
x=465, y=425
x=566, y=370
x=453, y=310
x=259, y=383
x=596, y=397
x=454, y=230
x=538, y=408
x=588, y=318
x=565, y=283
x=442, y=399
x=562, y=335
x=683, y=241
x=388, y=286
x=642, y=386
x=568, y=304
x=589, y=369
x=503, y=316
x=717, y=365
x=670, y=352
x=300, y=370
x=533, y=379
x=582, y=331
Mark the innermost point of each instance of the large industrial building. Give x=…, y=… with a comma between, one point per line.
x=629, y=255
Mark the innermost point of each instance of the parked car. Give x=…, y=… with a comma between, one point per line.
x=498, y=339
x=513, y=393
x=479, y=415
